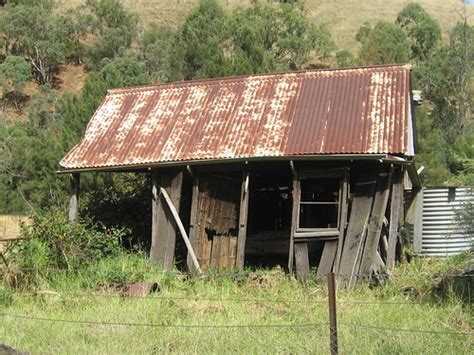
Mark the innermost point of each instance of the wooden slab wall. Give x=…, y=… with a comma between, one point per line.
x=164, y=228
x=377, y=217
x=217, y=221
x=358, y=221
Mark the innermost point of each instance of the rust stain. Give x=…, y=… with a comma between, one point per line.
x=340, y=111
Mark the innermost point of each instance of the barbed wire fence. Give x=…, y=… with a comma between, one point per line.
x=332, y=325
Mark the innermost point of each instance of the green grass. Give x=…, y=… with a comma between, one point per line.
x=266, y=298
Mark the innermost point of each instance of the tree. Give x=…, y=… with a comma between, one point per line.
x=263, y=37
x=423, y=31
x=268, y=36
x=156, y=46
x=116, y=29
x=15, y=73
x=386, y=43
x=199, y=51
x=346, y=59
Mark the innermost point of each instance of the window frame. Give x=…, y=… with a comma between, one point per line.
x=340, y=174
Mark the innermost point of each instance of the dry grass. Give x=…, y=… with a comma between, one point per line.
x=343, y=17
x=10, y=225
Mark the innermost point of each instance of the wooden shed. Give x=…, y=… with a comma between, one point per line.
x=301, y=169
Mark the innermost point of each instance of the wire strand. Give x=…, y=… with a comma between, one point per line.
x=128, y=324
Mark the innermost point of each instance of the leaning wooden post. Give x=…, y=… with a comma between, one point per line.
x=73, y=211
x=332, y=313
x=181, y=228
x=243, y=215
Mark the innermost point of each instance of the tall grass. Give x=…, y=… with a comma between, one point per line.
x=266, y=299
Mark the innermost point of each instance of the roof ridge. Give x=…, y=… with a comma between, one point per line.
x=237, y=78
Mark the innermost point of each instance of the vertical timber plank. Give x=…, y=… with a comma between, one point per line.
x=327, y=258
x=73, y=211
x=360, y=212
x=376, y=222
x=397, y=191
x=302, y=260
x=164, y=227
x=243, y=216
x=343, y=220
x=194, y=220
x=155, y=206
x=294, y=220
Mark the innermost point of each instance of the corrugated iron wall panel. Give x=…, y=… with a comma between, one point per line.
x=441, y=235
x=347, y=111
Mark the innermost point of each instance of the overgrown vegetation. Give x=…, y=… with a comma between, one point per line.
x=265, y=298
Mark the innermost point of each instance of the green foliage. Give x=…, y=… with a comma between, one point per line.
x=386, y=43
x=117, y=29
x=465, y=217
x=156, y=46
x=198, y=52
x=52, y=242
x=32, y=31
x=15, y=72
x=268, y=37
x=422, y=30
x=346, y=59
x=432, y=150
x=260, y=38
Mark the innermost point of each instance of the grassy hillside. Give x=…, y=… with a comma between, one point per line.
x=343, y=17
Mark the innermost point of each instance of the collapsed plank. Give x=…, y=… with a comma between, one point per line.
x=360, y=213
x=375, y=223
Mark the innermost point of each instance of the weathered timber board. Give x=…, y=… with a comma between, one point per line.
x=358, y=219
x=164, y=227
x=327, y=258
x=243, y=218
x=376, y=222
x=302, y=260
x=194, y=219
x=219, y=203
x=396, y=204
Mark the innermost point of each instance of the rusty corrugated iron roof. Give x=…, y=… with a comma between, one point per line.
x=341, y=111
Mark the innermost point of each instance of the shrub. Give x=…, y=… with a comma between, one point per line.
x=53, y=243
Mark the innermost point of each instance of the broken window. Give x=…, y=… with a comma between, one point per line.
x=319, y=203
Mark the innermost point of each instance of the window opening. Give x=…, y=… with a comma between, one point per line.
x=319, y=203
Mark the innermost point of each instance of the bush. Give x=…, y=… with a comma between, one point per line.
x=53, y=243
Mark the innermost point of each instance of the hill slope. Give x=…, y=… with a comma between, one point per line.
x=343, y=17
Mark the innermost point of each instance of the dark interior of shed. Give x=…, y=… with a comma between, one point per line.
x=269, y=218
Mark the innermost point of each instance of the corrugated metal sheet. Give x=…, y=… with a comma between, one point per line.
x=441, y=235
x=343, y=111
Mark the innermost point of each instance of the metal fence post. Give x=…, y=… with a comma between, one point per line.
x=332, y=313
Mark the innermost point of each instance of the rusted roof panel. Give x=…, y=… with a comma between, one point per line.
x=343, y=111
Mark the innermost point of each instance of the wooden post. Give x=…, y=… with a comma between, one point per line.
x=332, y=314
x=302, y=260
x=294, y=219
x=73, y=211
x=343, y=220
x=397, y=192
x=243, y=216
x=164, y=227
x=194, y=219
